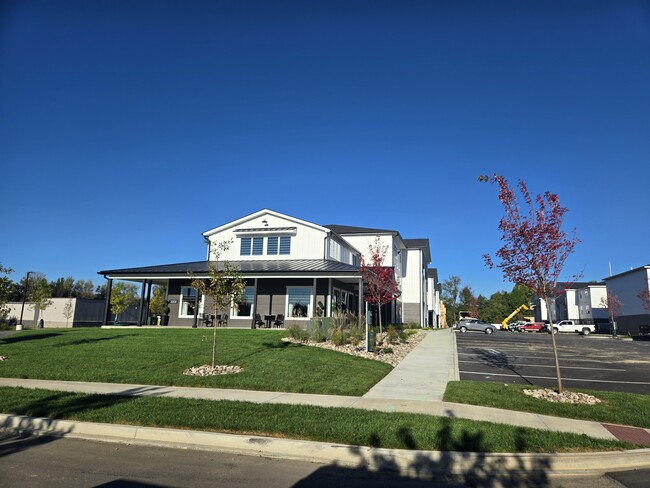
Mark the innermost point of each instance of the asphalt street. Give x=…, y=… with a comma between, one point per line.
x=72, y=463
x=591, y=362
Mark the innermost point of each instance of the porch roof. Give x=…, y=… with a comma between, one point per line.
x=301, y=267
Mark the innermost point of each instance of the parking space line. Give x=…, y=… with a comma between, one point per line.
x=554, y=378
x=549, y=358
x=553, y=366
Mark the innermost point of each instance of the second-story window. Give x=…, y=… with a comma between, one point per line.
x=285, y=245
x=258, y=246
x=272, y=246
x=254, y=244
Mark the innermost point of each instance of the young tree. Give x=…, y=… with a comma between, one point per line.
x=613, y=305
x=224, y=285
x=450, y=291
x=158, y=303
x=381, y=286
x=123, y=296
x=39, y=293
x=68, y=311
x=535, y=246
x=644, y=296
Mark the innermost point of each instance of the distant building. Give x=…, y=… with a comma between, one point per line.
x=626, y=287
x=63, y=312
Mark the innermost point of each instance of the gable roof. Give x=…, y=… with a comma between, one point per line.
x=258, y=214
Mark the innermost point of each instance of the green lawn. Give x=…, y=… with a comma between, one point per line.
x=339, y=425
x=616, y=408
x=159, y=357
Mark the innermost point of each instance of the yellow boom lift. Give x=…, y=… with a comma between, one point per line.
x=504, y=324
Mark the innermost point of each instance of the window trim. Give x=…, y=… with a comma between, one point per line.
x=232, y=306
x=287, y=315
x=180, y=302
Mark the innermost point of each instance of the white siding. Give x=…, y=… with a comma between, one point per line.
x=307, y=241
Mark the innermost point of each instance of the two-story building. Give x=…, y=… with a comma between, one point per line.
x=294, y=270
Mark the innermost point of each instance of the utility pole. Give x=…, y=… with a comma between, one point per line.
x=22, y=309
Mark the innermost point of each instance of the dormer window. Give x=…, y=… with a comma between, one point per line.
x=254, y=246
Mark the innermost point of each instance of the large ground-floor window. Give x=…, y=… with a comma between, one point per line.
x=298, y=302
x=244, y=307
x=188, y=298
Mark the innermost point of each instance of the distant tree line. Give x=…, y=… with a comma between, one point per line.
x=13, y=291
x=458, y=298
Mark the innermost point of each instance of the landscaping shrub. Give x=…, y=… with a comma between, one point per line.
x=298, y=333
x=339, y=337
x=392, y=336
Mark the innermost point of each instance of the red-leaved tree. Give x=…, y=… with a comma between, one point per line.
x=644, y=296
x=534, y=245
x=381, y=286
x=613, y=305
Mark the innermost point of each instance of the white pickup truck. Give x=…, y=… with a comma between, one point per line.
x=573, y=326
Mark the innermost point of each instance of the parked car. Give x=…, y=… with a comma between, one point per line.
x=465, y=325
x=572, y=326
x=514, y=327
x=531, y=327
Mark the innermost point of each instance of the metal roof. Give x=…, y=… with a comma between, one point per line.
x=349, y=229
x=298, y=266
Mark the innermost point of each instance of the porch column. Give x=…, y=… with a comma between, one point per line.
x=107, y=306
x=144, y=284
x=254, y=311
x=360, y=312
x=328, y=311
x=196, y=310
x=314, y=299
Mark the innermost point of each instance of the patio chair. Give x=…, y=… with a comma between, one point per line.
x=258, y=321
x=279, y=321
x=223, y=321
x=207, y=321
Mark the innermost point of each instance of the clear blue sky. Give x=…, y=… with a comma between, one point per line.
x=127, y=128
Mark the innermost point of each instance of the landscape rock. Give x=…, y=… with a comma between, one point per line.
x=207, y=370
x=564, y=397
x=399, y=350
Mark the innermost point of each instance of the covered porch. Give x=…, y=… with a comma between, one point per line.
x=277, y=294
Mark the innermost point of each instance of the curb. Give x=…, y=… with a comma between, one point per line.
x=418, y=464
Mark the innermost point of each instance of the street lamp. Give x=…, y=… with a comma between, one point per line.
x=22, y=309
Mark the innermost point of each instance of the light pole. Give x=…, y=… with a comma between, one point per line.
x=22, y=309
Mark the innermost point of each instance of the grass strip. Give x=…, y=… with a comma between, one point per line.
x=338, y=425
x=616, y=408
x=159, y=357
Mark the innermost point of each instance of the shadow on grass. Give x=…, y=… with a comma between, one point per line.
x=30, y=337
x=91, y=341
x=264, y=347
x=499, y=360
x=460, y=462
x=64, y=405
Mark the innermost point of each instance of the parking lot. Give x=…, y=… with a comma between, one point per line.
x=594, y=362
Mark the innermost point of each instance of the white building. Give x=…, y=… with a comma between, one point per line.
x=294, y=270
